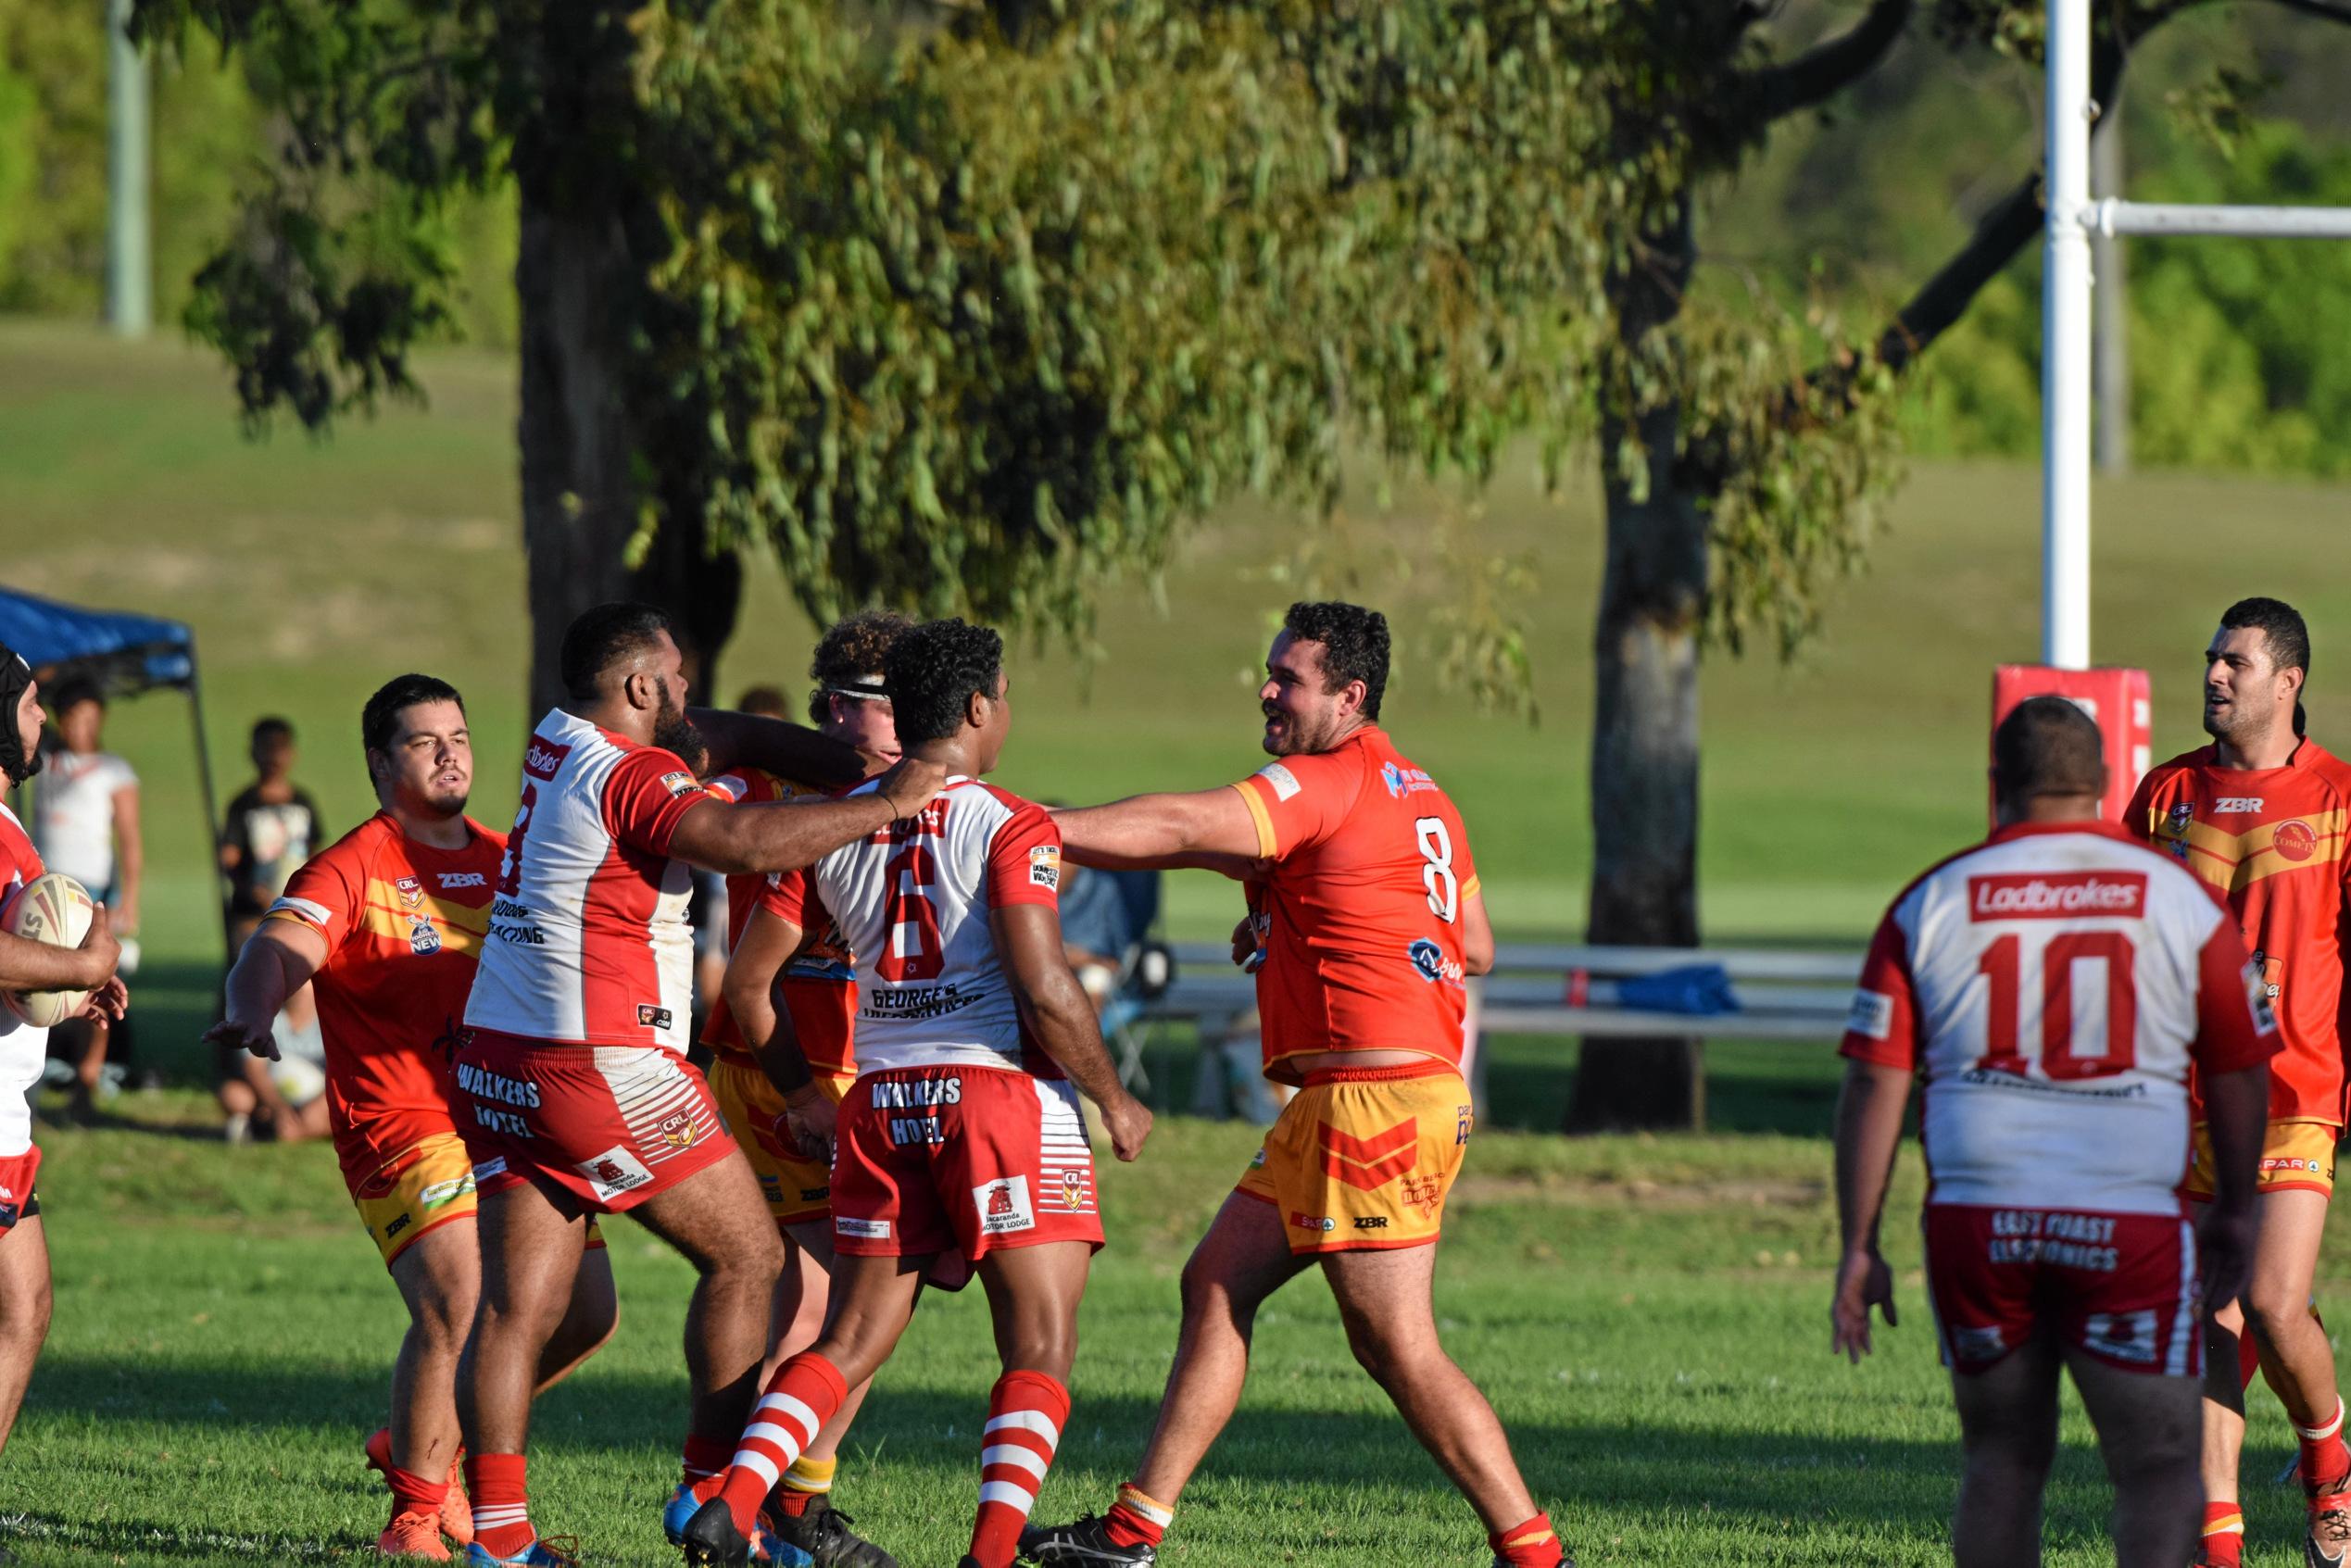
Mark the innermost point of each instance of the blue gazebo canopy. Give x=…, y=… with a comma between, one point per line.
x=123, y=651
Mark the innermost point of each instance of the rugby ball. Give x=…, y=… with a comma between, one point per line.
x=55, y=909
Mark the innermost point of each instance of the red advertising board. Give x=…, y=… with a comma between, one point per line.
x=2116, y=699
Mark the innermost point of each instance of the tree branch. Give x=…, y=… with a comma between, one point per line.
x=1819, y=73
x=2323, y=9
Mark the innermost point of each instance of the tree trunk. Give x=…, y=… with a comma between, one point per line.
x=1644, y=752
x=578, y=280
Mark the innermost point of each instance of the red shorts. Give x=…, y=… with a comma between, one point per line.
x=2121, y=1287
x=962, y=1160
x=18, y=1200
x=609, y=1125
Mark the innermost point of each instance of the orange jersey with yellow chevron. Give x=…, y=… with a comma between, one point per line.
x=404, y=924
x=1369, y=867
x=818, y=987
x=2273, y=842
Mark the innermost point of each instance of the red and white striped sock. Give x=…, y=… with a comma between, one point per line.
x=800, y=1399
x=1025, y=1412
x=501, y=1503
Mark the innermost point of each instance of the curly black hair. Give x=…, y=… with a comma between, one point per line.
x=603, y=637
x=856, y=646
x=932, y=672
x=382, y=713
x=1354, y=645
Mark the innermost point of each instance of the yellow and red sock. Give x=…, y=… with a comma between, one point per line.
x=501, y=1503
x=1532, y=1545
x=1026, y=1414
x=1136, y=1518
x=2324, y=1460
x=703, y=1458
x=808, y=1480
x=800, y=1399
x=2223, y=1535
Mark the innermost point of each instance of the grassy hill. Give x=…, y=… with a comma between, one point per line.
x=313, y=569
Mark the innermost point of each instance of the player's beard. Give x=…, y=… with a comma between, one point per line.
x=2235, y=724
x=1299, y=734
x=673, y=731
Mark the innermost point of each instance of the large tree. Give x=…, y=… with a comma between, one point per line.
x=970, y=308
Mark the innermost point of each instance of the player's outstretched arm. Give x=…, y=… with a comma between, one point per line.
x=784, y=836
x=278, y=960
x=36, y=966
x=1870, y=1116
x=1053, y=1006
x=1206, y=830
x=743, y=740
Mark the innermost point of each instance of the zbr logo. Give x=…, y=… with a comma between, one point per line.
x=2237, y=806
x=461, y=879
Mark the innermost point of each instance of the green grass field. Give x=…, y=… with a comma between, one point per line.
x=1647, y=1313
x=1649, y=1316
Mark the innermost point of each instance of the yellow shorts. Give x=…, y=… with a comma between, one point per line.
x=2296, y=1157
x=797, y=1189
x=427, y=1183
x=1361, y=1159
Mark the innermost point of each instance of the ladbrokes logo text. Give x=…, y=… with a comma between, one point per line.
x=2057, y=895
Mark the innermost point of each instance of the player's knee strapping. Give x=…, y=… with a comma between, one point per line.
x=1026, y=1414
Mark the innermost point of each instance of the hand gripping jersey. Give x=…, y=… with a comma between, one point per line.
x=23, y=1049
x=1362, y=908
x=912, y=902
x=588, y=939
x=2056, y=985
x=818, y=988
x=404, y=924
x=2274, y=842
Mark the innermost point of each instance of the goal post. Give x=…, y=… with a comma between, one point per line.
x=2067, y=282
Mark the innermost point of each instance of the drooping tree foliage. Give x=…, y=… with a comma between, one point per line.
x=969, y=308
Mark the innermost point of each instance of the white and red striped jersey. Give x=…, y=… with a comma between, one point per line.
x=589, y=943
x=911, y=902
x=24, y=1049
x=2056, y=985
